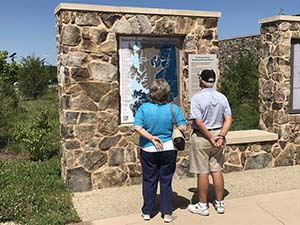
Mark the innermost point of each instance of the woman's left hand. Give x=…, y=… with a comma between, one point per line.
x=157, y=143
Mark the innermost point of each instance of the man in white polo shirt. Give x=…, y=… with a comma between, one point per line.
x=211, y=120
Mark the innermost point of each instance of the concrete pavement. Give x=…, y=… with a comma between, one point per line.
x=263, y=197
x=269, y=209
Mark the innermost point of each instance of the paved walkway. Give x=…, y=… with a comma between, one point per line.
x=269, y=209
x=262, y=197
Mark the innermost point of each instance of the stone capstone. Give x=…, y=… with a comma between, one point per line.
x=79, y=180
x=70, y=35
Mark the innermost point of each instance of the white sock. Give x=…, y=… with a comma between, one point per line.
x=202, y=204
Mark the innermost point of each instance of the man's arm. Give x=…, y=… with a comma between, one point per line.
x=226, y=125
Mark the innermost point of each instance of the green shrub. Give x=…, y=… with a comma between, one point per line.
x=34, y=193
x=240, y=84
x=32, y=77
x=38, y=137
x=8, y=98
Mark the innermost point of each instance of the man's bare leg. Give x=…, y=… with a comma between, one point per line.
x=218, y=182
x=202, y=187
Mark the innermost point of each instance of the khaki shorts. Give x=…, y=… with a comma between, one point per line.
x=204, y=158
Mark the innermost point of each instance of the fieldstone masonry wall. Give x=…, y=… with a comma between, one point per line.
x=230, y=49
x=97, y=151
x=275, y=86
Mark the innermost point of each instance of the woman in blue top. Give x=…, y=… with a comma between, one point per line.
x=153, y=121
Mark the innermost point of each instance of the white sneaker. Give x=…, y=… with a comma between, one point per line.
x=219, y=206
x=169, y=218
x=199, y=209
x=146, y=216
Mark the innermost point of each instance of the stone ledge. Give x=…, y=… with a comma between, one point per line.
x=279, y=18
x=135, y=10
x=250, y=136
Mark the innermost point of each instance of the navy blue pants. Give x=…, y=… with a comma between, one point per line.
x=158, y=166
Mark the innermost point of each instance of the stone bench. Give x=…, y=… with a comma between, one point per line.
x=250, y=136
x=250, y=149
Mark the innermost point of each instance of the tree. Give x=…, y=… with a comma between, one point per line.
x=33, y=77
x=240, y=84
x=52, y=70
x=8, y=96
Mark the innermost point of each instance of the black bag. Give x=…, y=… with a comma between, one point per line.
x=177, y=136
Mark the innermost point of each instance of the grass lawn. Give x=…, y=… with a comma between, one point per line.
x=34, y=193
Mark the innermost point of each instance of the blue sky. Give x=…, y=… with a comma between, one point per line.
x=27, y=27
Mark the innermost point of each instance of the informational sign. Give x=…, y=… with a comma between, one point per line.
x=197, y=63
x=296, y=75
x=141, y=61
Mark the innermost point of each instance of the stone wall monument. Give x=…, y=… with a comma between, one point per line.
x=99, y=151
x=276, y=79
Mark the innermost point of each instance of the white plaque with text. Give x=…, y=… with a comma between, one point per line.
x=197, y=63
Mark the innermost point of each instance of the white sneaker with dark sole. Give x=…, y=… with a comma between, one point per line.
x=169, y=218
x=219, y=206
x=198, y=209
x=146, y=216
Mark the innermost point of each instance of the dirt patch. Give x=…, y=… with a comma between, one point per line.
x=6, y=155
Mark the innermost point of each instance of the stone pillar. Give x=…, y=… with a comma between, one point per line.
x=98, y=151
x=275, y=86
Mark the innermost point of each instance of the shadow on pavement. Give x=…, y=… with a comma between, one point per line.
x=211, y=196
x=177, y=201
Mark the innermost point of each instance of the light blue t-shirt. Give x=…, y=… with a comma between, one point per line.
x=211, y=107
x=157, y=120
